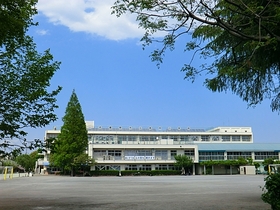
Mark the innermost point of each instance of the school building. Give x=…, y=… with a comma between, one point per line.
x=130, y=148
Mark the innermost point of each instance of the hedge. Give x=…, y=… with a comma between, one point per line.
x=134, y=173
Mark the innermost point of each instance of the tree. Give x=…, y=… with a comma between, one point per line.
x=250, y=161
x=28, y=161
x=257, y=165
x=25, y=74
x=239, y=162
x=184, y=162
x=25, y=99
x=9, y=163
x=16, y=18
x=83, y=163
x=72, y=141
x=241, y=38
x=271, y=191
x=269, y=161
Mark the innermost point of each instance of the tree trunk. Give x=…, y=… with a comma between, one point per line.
x=72, y=171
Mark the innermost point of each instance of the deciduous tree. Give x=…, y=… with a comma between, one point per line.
x=184, y=162
x=15, y=19
x=238, y=39
x=25, y=74
x=27, y=161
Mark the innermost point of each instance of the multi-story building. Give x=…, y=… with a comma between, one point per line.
x=119, y=148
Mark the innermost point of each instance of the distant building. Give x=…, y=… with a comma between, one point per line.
x=119, y=148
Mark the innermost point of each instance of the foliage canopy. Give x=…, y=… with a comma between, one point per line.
x=271, y=191
x=27, y=161
x=239, y=162
x=15, y=19
x=25, y=75
x=241, y=38
x=183, y=161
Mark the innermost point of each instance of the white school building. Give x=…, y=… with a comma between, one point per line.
x=130, y=148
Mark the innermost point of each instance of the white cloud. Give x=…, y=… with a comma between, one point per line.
x=42, y=32
x=90, y=16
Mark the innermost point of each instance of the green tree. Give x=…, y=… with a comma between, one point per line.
x=72, y=141
x=267, y=162
x=83, y=163
x=9, y=163
x=27, y=161
x=184, y=162
x=25, y=74
x=15, y=153
x=16, y=18
x=240, y=38
x=271, y=191
x=250, y=161
x=239, y=162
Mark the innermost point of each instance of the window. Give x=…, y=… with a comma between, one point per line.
x=189, y=152
x=153, y=138
x=51, y=135
x=144, y=138
x=144, y=152
x=215, y=138
x=161, y=154
x=205, y=138
x=205, y=156
x=175, y=138
x=102, y=139
x=265, y=155
x=161, y=167
x=171, y=167
x=114, y=152
x=236, y=155
x=246, y=138
x=130, y=153
x=145, y=167
x=225, y=138
x=173, y=153
x=184, y=139
x=99, y=153
x=121, y=139
x=165, y=167
x=194, y=138
x=235, y=138
x=90, y=137
x=131, y=138
x=131, y=167
x=138, y=153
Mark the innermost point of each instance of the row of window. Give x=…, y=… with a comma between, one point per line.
x=181, y=138
x=188, y=152
x=235, y=155
x=149, y=167
x=203, y=156
x=186, y=138
x=137, y=167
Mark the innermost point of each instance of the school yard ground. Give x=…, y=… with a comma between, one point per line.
x=41, y=192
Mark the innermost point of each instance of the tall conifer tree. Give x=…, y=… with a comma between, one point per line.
x=72, y=140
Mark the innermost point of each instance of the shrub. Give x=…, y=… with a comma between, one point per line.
x=271, y=191
x=134, y=173
x=104, y=173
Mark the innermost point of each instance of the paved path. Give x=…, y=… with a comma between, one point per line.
x=140, y=193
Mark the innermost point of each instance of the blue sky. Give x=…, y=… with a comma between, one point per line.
x=118, y=85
